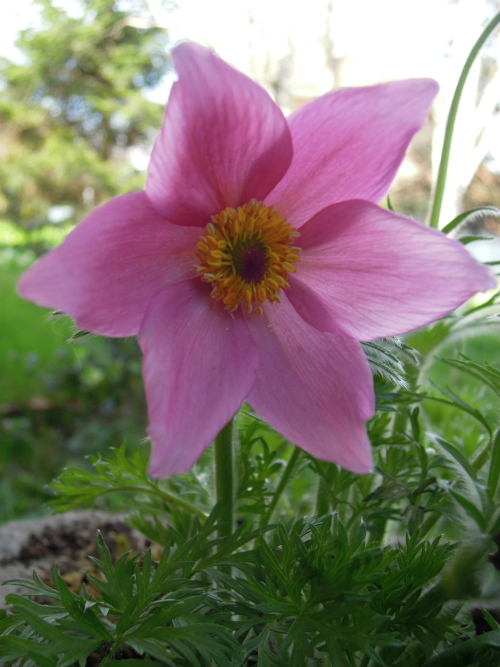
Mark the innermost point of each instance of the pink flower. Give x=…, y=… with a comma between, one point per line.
x=256, y=260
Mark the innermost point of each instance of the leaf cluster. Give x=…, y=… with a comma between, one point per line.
x=145, y=612
x=300, y=594
x=366, y=581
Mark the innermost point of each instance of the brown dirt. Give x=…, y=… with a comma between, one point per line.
x=67, y=539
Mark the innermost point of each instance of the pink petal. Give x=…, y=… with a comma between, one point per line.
x=315, y=388
x=111, y=265
x=223, y=141
x=199, y=365
x=373, y=273
x=348, y=144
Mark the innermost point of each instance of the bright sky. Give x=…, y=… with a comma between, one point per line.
x=378, y=40
x=384, y=37
x=14, y=17
x=389, y=38
x=387, y=30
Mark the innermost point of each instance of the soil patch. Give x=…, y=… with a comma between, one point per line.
x=67, y=539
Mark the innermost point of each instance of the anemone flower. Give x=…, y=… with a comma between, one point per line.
x=257, y=258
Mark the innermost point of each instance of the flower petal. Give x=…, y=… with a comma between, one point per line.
x=199, y=365
x=110, y=266
x=223, y=141
x=315, y=388
x=373, y=273
x=348, y=144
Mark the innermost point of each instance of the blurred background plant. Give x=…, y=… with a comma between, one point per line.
x=74, y=109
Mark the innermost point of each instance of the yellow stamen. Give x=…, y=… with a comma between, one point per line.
x=246, y=255
x=289, y=267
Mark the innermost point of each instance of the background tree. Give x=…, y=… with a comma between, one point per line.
x=71, y=112
x=75, y=106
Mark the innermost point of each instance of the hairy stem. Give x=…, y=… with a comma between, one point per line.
x=224, y=486
x=323, y=498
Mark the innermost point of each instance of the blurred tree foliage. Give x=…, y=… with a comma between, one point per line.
x=72, y=109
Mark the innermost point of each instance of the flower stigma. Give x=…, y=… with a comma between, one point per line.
x=246, y=255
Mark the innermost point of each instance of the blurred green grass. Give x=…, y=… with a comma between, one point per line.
x=58, y=402
x=27, y=342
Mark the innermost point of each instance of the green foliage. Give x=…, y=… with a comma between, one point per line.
x=370, y=582
x=70, y=111
x=121, y=475
x=307, y=591
x=140, y=611
x=58, y=402
x=26, y=342
x=468, y=216
x=488, y=375
x=386, y=358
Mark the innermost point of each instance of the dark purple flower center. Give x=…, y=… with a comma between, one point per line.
x=253, y=264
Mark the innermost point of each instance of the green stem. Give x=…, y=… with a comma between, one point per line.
x=450, y=123
x=224, y=480
x=323, y=498
x=427, y=525
x=483, y=456
x=266, y=516
x=400, y=422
